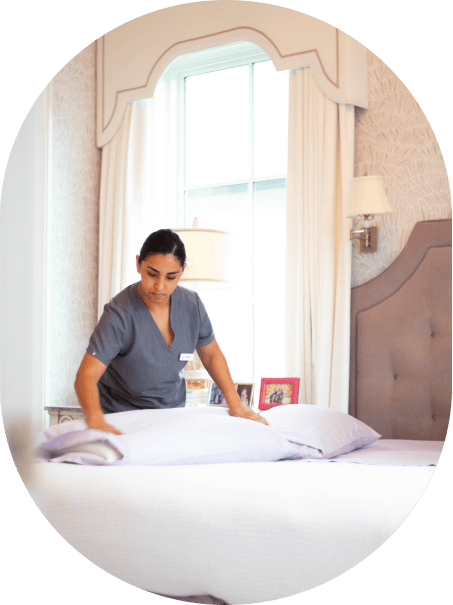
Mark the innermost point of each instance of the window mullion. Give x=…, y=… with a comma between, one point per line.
x=278, y=177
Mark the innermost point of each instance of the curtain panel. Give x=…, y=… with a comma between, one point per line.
x=320, y=167
x=138, y=187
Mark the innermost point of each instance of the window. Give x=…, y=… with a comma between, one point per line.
x=233, y=178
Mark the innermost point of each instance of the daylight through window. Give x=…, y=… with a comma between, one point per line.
x=235, y=164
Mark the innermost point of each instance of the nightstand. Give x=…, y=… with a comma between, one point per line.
x=57, y=414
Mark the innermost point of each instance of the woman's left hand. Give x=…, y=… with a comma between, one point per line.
x=241, y=411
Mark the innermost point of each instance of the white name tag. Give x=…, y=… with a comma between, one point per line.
x=186, y=357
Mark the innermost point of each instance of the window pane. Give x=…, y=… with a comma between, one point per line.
x=233, y=328
x=270, y=120
x=269, y=345
x=227, y=209
x=270, y=239
x=269, y=279
x=217, y=127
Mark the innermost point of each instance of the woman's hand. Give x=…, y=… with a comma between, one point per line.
x=241, y=411
x=99, y=424
x=215, y=363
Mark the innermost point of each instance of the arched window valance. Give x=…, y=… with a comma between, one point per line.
x=131, y=58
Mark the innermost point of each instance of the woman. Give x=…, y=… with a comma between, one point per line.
x=146, y=335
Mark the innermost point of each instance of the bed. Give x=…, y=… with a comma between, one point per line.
x=256, y=531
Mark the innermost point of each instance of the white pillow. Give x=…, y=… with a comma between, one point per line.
x=160, y=437
x=329, y=432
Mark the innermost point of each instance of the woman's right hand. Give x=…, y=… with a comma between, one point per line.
x=99, y=424
x=88, y=375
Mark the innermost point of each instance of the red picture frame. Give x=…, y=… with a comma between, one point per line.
x=278, y=391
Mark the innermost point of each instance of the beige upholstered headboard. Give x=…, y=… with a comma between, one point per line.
x=400, y=381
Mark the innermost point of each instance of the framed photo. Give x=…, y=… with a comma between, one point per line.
x=198, y=391
x=197, y=385
x=245, y=392
x=278, y=391
x=216, y=396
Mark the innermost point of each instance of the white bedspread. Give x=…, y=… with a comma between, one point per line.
x=244, y=533
x=399, y=452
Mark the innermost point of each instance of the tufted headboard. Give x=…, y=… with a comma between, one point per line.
x=400, y=380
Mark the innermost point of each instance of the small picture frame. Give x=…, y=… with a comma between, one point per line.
x=245, y=392
x=216, y=397
x=198, y=390
x=278, y=391
x=197, y=384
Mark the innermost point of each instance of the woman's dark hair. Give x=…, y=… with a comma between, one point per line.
x=164, y=241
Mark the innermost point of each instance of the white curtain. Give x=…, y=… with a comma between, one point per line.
x=138, y=187
x=319, y=249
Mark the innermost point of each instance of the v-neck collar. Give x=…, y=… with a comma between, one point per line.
x=142, y=305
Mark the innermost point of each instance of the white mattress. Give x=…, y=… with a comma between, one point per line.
x=243, y=533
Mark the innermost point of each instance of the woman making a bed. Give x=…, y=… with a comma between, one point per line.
x=146, y=335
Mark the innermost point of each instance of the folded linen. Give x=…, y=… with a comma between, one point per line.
x=162, y=437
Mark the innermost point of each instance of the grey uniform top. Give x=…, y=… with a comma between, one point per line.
x=142, y=370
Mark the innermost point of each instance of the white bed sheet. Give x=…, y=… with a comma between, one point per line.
x=395, y=452
x=243, y=533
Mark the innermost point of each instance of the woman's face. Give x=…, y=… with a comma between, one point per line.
x=160, y=274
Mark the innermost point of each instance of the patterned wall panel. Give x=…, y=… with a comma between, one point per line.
x=394, y=140
x=74, y=223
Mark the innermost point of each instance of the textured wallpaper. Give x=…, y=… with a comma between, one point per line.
x=394, y=140
x=74, y=223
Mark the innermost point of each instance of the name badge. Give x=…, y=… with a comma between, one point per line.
x=186, y=357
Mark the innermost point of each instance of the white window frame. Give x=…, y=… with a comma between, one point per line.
x=215, y=59
x=224, y=57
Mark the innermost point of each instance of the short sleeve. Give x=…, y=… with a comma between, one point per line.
x=206, y=332
x=110, y=335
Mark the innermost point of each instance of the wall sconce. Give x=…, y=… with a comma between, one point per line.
x=366, y=199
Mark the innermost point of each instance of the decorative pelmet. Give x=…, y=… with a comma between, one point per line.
x=131, y=58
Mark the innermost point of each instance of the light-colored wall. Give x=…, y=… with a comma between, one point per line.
x=394, y=140
x=23, y=241
x=74, y=223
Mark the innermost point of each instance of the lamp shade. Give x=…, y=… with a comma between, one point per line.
x=207, y=253
x=367, y=196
